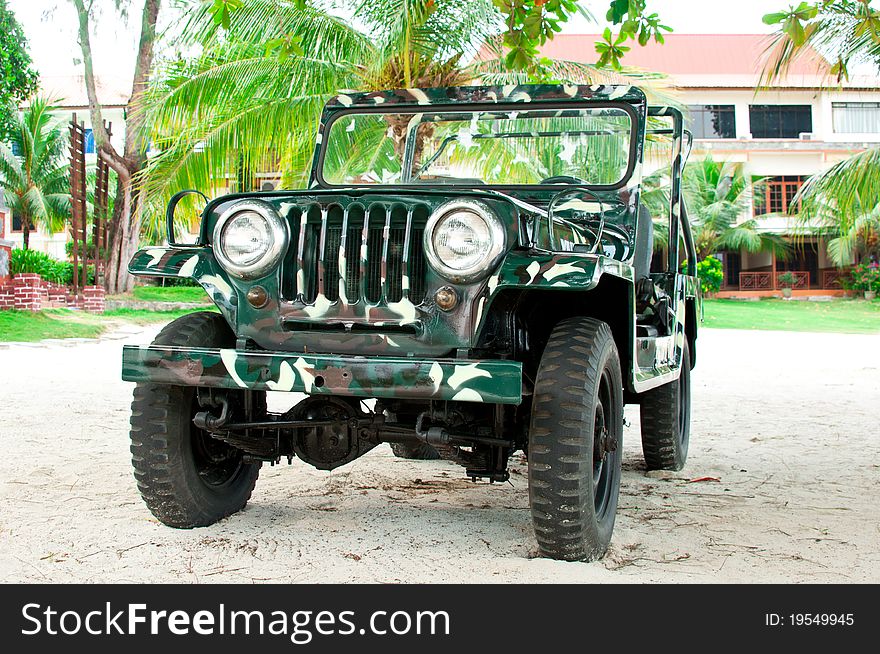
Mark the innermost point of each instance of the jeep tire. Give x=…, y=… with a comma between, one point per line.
x=575, y=441
x=186, y=477
x=666, y=420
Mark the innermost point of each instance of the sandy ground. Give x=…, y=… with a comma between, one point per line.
x=786, y=422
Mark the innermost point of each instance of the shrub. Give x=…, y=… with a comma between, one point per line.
x=710, y=273
x=171, y=281
x=52, y=270
x=787, y=279
x=32, y=261
x=90, y=249
x=866, y=277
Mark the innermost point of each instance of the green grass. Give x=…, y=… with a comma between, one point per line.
x=843, y=316
x=170, y=294
x=144, y=317
x=27, y=326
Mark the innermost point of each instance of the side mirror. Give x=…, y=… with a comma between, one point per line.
x=169, y=216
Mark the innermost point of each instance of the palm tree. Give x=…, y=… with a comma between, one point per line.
x=718, y=195
x=33, y=173
x=842, y=202
x=234, y=108
x=850, y=240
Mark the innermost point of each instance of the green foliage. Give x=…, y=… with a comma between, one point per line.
x=35, y=181
x=787, y=279
x=527, y=25
x=711, y=274
x=232, y=109
x=18, y=79
x=866, y=277
x=792, y=21
x=634, y=23
x=50, y=269
x=32, y=261
x=841, y=202
x=89, y=249
x=718, y=195
x=170, y=282
x=220, y=10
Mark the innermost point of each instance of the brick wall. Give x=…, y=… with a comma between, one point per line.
x=7, y=296
x=93, y=299
x=29, y=292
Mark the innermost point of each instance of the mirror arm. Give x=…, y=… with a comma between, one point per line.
x=169, y=215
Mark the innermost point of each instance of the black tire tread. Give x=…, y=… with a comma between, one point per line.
x=658, y=414
x=154, y=410
x=558, y=452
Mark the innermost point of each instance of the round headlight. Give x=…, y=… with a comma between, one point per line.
x=462, y=239
x=249, y=239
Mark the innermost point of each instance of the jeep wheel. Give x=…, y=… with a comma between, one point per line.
x=575, y=441
x=186, y=477
x=421, y=451
x=666, y=420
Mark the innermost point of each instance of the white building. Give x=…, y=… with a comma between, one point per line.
x=786, y=134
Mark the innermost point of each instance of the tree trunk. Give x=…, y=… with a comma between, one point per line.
x=126, y=236
x=126, y=224
x=25, y=235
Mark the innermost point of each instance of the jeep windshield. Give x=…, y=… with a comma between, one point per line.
x=511, y=146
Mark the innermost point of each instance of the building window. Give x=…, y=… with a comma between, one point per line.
x=780, y=121
x=89, y=138
x=16, y=149
x=856, y=117
x=776, y=194
x=712, y=121
x=16, y=221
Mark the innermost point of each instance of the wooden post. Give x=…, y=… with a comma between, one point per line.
x=773, y=269
x=78, y=214
x=99, y=229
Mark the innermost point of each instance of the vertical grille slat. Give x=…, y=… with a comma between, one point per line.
x=322, y=261
x=383, y=268
x=342, y=291
x=300, y=272
x=354, y=254
x=407, y=248
x=364, y=254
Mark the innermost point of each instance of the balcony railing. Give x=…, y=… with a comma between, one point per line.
x=768, y=280
x=832, y=277
x=756, y=281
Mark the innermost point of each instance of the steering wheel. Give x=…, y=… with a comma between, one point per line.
x=563, y=179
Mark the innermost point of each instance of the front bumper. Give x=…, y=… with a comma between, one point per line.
x=493, y=381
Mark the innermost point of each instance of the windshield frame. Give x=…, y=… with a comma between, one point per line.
x=627, y=107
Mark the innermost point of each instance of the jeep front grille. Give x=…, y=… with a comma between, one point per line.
x=380, y=245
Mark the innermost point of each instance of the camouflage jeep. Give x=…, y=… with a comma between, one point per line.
x=472, y=271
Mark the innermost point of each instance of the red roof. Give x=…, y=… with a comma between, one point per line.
x=705, y=60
